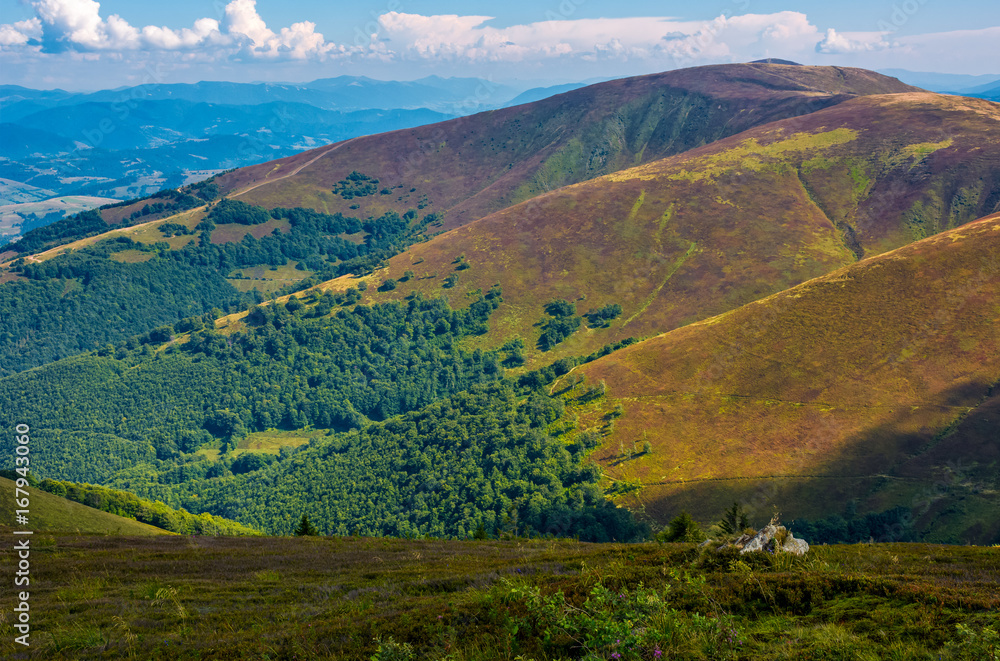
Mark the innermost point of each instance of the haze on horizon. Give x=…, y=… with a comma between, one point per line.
x=87, y=45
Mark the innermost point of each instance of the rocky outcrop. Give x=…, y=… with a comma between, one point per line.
x=770, y=538
x=796, y=546
x=775, y=538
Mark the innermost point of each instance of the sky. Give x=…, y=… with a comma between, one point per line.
x=87, y=45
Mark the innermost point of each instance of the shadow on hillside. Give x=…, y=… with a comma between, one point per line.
x=948, y=478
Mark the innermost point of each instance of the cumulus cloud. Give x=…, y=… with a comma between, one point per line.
x=300, y=41
x=20, y=33
x=467, y=37
x=77, y=26
x=666, y=40
x=454, y=41
x=837, y=43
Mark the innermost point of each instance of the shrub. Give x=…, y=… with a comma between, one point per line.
x=356, y=184
x=602, y=317
x=560, y=308
x=682, y=529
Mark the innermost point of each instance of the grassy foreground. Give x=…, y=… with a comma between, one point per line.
x=96, y=597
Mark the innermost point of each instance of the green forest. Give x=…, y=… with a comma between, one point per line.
x=481, y=460
x=425, y=437
x=287, y=369
x=84, y=300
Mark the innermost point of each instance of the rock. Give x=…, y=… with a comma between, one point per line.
x=738, y=543
x=762, y=539
x=796, y=546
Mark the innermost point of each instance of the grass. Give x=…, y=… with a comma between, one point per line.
x=331, y=598
x=471, y=167
x=272, y=440
x=50, y=513
x=234, y=233
x=768, y=209
x=147, y=232
x=780, y=401
x=265, y=278
x=269, y=442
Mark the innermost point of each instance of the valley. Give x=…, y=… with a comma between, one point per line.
x=772, y=279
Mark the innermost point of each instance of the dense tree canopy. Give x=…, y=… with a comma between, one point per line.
x=83, y=300
x=481, y=457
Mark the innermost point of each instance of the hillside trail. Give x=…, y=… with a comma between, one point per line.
x=133, y=228
x=292, y=173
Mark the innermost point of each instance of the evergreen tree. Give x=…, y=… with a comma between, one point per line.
x=305, y=528
x=734, y=520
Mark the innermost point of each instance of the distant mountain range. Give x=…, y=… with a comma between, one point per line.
x=986, y=86
x=344, y=93
x=134, y=141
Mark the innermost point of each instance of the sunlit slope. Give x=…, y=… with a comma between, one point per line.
x=50, y=513
x=472, y=166
x=869, y=383
x=697, y=234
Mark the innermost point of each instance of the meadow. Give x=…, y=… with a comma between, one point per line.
x=100, y=597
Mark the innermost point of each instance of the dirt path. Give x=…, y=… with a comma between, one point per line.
x=294, y=172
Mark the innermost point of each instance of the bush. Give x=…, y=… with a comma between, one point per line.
x=602, y=317
x=557, y=330
x=305, y=528
x=560, y=308
x=356, y=184
x=173, y=229
x=234, y=211
x=249, y=462
x=682, y=529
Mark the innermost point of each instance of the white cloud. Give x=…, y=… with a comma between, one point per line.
x=455, y=42
x=20, y=33
x=467, y=37
x=204, y=32
x=298, y=42
x=77, y=26
x=837, y=43
x=666, y=40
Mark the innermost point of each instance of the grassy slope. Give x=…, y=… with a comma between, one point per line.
x=476, y=165
x=50, y=513
x=328, y=598
x=704, y=232
x=840, y=388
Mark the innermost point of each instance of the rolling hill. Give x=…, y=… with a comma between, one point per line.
x=622, y=120
x=876, y=382
x=51, y=513
x=776, y=230
x=472, y=166
x=703, y=232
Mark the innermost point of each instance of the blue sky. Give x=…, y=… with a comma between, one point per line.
x=84, y=44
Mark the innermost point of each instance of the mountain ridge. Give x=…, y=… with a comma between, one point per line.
x=561, y=140
x=765, y=406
